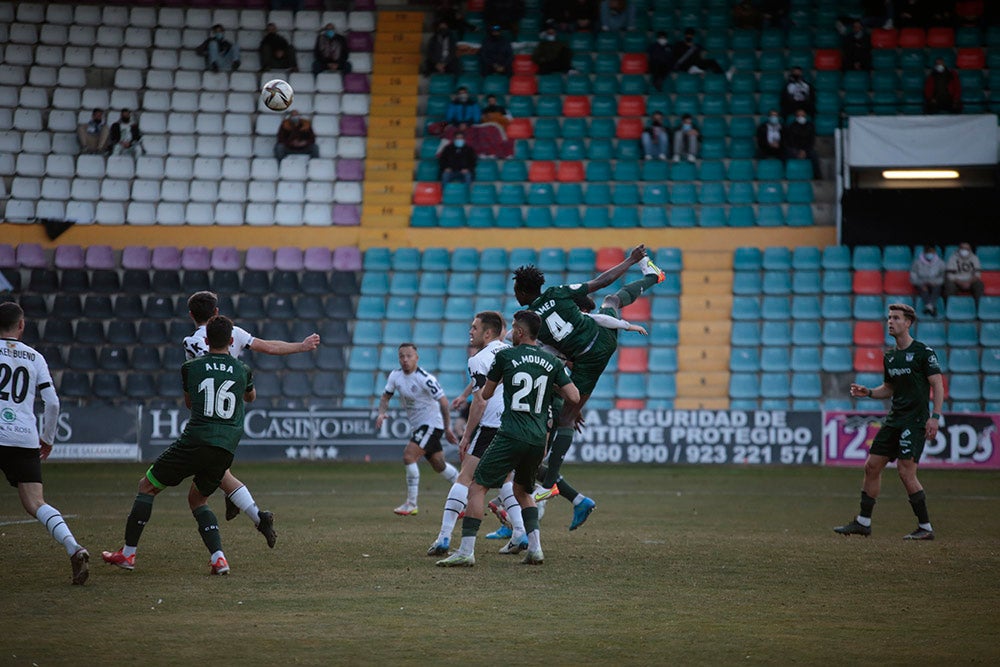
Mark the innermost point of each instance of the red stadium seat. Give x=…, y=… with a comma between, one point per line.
x=867, y=282
x=638, y=311
x=630, y=404
x=870, y=334
x=897, y=282
x=520, y=128
x=523, y=84
x=971, y=59
x=524, y=65
x=609, y=257
x=633, y=359
x=635, y=63
x=576, y=106
x=868, y=359
x=884, y=39
x=570, y=171
x=475, y=5
x=941, y=38
x=969, y=11
x=542, y=171
x=631, y=105
x=427, y=194
x=912, y=38
x=629, y=128
x=991, y=282
x=828, y=59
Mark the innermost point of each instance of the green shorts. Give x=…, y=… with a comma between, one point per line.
x=587, y=367
x=207, y=463
x=900, y=442
x=505, y=454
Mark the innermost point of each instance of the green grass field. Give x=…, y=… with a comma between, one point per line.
x=712, y=566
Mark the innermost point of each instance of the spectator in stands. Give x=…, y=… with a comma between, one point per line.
x=800, y=141
x=963, y=273
x=573, y=15
x=774, y=13
x=276, y=52
x=496, y=56
x=686, y=139
x=452, y=13
x=617, y=15
x=463, y=111
x=797, y=94
x=219, y=52
x=495, y=113
x=457, y=162
x=93, y=134
x=746, y=16
x=551, y=55
x=125, y=136
x=654, y=138
x=912, y=14
x=330, y=53
x=295, y=135
x=857, y=49
x=441, y=56
x=689, y=56
x=661, y=59
x=927, y=276
x=506, y=13
x=878, y=13
x=942, y=90
x=770, y=137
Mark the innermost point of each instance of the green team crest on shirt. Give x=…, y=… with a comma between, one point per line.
x=8, y=415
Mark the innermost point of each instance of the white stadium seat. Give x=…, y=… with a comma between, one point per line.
x=56, y=188
x=167, y=38
x=141, y=213
x=283, y=19
x=252, y=18
x=208, y=168
x=120, y=166
x=20, y=210
x=51, y=210
x=243, y=82
x=53, y=34
x=201, y=214
x=212, y=102
x=12, y=75
x=159, y=79
x=28, y=119
x=90, y=166
x=204, y=191
x=361, y=21
x=327, y=103
x=327, y=146
x=86, y=189
x=337, y=18
x=261, y=191
x=82, y=35
x=6, y=164
x=66, y=98
x=115, y=189
x=81, y=212
x=138, y=38
x=124, y=99
x=77, y=56
x=302, y=82
x=6, y=12
x=109, y=213
x=182, y=145
x=263, y=147
x=106, y=56
x=163, y=59
x=229, y=213
x=10, y=142
x=135, y=58
x=267, y=125
x=293, y=168
x=23, y=33
x=289, y=214
x=37, y=142
x=62, y=166
x=65, y=143
x=171, y=17
x=236, y=123
x=355, y=104
x=239, y=146
x=263, y=168
x=215, y=82
x=180, y=123
x=319, y=193
x=321, y=169
x=307, y=20
x=329, y=82
x=187, y=80
x=233, y=191
x=192, y=61
x=292, y=192
x=40, y=75
x=249, y=40
x=210, y=146
x=30, y=164
x=199, y=17
x=149, y=167
x=87, y=15
x=179, y=167
x=8, y=97
x=351, y=147
x=260, y=214
x=241, y=103
x=208, y=123
x=184, y=101
x=316, y=214
x=33, y=98
x=227, y=17
x=111, y=36
x=117, y=16
x=304, y=40
x=18, y=54
x=361, y=63
x=175, y=191
x=143, y=17
x=30, y=12
x=72, y=77
x=236, y=168
x=304, y=103
x=347, y=193
x=59, y=13
x=325, y=125
x=145, y=190
x=26, y=187
x=153, y=122
x=128, y=79
x=95, y=98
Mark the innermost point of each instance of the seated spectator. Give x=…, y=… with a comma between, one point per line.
x=220, y=54
x=686, y=139
x=330, y=53
x=661, y=60
x=573, y=15
x=963, y=273
x=551, y=55
x=746, y=16
x=617, y=15
x=942, y=90
x=441, y=56
x=877, y=14
x=457, y=162
x=800, y=141
x=857, y=49
x=295, y=135
x=496, y=56
x=927, y=277
x=93, y=135
x=797, y=94
x=654, y=138
x=774, y=13
x=463, y=111
x=495, y=113
x=276, y=52
x=689, y=56
x=912, y=14
x=505, y=13
x=770, y=137
x=452, y=13
x=125, y=136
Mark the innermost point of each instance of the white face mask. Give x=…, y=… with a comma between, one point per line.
x=939, y=68
x=662, y=41
x=964, y=252
x=929, y=256
x=801, y=120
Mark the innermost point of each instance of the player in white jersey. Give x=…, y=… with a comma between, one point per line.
x=203, y=306
x=427, y=411
x=23, y=372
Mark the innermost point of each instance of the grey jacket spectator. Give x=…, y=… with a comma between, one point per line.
x=331, y=52
x=93, y=134
x=496, y=56
x=276, y=52
x=927, y=276
x=963, y=273
x=219, y=52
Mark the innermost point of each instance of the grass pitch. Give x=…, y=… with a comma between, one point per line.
x=712, y=566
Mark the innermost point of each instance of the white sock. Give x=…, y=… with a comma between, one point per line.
x=241, y=498
x=579, y=499
x=216, y=556
x=412, y=483
x=534, y=540
x=458, y=495
x=513, y=509
x=53, y=521
x=450, y=472
x=864, y=520
x=926, y=526
x=468, y=546
x=128, y=551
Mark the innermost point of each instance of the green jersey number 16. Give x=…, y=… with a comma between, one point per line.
x=223, y=402
x=525, y=383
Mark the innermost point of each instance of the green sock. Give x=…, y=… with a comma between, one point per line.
x=560, y=445
x=470, y=526
x=634, y=290
x=208, y=528
x=142, y=509
x=530, y=515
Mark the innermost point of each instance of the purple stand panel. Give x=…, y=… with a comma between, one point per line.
x=99, y=257
x=349, y=169
x=260, y=259
x=135, y=257
x=166, y=258
x=346, y=215
x=361, y=42
x=318, y=259
x=196, y=258
x=347, y=258
x=288, y=259
x=226, y=259
x=356, y=83
x=353, y=126
x=31, y=256
x=69, y=257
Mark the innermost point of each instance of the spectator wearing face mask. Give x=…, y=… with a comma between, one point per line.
x=496, y=56
x=963, y=273
x=125, y=136
x=617, y=15
x=654, y=138
x=770, y=137
x=463, y=111
x=457, y=162
x=551, y=55
x=220, y=53
x=800, y=141
x=276, y=52
x=797, y=94
x=295, y=135
x=942, y=90
x=441, y=56
x=690, y=56
x=686, y=140
x=927, y=277
x=330, y=53
x=661, y=60
x=93, y=134
x=857, y=49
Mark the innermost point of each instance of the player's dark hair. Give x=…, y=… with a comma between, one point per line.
x=402, y=345
x=10, y=315
x=202, y=306
x=584, y=303
x=530, y=321
x=491, y=321
x=218, y=332
x=528, y=279
x=907, y=311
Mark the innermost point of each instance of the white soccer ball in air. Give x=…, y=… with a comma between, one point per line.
x=277, y=95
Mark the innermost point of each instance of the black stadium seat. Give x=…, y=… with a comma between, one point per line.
x=67, y=306
x=266, y=362
x=225, y=282
x=330, y=359
x=304, y=361
x=255, y=282
x=173, y=357
x=13, y=276
x=140, y=386
x=160, y=307
x=285, y=282
x=31, y=335
x=250, y=307
x=195, y=281
x=314, y=282
x=53, y=356
x=166, y=282
x=309, y=307
x=146, y=358
x=82, y=358
x=113, y=359
x=74, y=385
x=334, y=332
x=279, y=307
x=328, y=385
x=43, y=281
x=179, y=330
x=128, y=307
x=121, y=332
x=344, y=282
x=34, y=306
x=58, y=331
x=136, y=281
x=338, y=307
x=90, y=332
x=74, y=280
x=107, y=386
x=296, y=385
x=168, y=384
x=105, y=281
x=152, y=332
x=98, y=307
x=276, y=330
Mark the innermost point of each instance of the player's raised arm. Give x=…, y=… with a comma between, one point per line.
x=617, y=271
x=281, y=347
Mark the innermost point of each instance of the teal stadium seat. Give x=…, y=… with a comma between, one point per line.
x=742, y=216
x=962, y=334
x=455, y=194
x=683, y=216
x=547, y=128
x=510, y=217
x=740, y=170
x=806, y=307
x=806, y=333
x=776, y=308
x=775, y=359
x=655, y=170
x=777, y=283
x=747, y=259
x=806, y=360
x=596, y=218
x=575, y=128
x=452, y=217
x=747, y=283
x=744, y=360
x=837, y=282
x=806, y=258
x=746, y=333
x=483, y=194
x=626, y=170
x=493, y=259
x=775, y=385
x=481, y=218
x=666, y=308
x=806, y=282
x=712, y=216
x=837, y=332
x=377, y=259
x=578, y=84
x=746, y=308
x=567, y=218
x=741, y=192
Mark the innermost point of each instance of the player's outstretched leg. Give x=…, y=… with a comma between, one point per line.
x=142, y=510
x=208, y=528
x=53, y=521
x=454, y=506
x=518, y=539
x=409, y=508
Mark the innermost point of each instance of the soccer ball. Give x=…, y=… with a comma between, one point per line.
x=277, y=95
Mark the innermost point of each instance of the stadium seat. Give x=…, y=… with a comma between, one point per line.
x=867, y=282
x=776, y=333
x=871, y=334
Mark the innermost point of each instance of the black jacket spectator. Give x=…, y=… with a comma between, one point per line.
x=496, y=56
x=505, y=13
x=455, y=158
x=115, y=135
x=797, y=94
x=800, y=141
x=857, y=51
x=275, y=51
x=442, y=52
x=551, y=55
x=771, y=138
x=661, y=60
x=330, y=53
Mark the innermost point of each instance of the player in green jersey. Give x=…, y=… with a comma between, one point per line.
x=530, y=377
x=578, y=337
x=216, y=387
x=911, y=370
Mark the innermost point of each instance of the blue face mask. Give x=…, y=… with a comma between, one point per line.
x=773, y=120
x=459, y=143
x=330, y=33
x=218, y=35
x=686, y=126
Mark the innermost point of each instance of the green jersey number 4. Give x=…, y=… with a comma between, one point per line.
x=222, y=403
x=525, y=384
x=558, y=327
